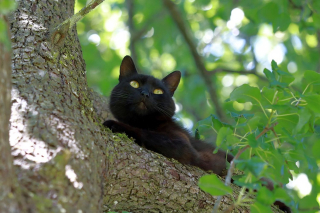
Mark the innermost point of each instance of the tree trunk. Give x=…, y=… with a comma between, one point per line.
x=64, y=159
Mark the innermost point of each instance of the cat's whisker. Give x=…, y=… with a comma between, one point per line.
x=120, y=96
x=163, y=111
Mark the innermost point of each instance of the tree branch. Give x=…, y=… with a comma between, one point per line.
x=294, y=5
x=101, y=106
x=132, y=45
x=58, y=34
x=232, y=164
x=309, y=209
x=134, y=34
x=139, y=33
x=176, y=16
x=242, y=72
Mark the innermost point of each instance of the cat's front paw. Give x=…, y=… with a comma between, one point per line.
x=114, y=126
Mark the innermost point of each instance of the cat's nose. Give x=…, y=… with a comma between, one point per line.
x=145, y=93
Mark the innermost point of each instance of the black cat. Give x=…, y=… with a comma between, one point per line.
x=144, y=108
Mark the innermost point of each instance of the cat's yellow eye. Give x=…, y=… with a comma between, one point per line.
x=158, y=91
x=134, y=84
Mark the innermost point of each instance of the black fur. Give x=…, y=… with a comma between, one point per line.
x=147, y=117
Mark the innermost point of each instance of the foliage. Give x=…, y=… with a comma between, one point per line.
x=237, y=47
x=213, y=185
x=237, y=40
x=290, y=114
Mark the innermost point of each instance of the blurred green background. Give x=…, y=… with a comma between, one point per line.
x=218, y=45
x=236, y=40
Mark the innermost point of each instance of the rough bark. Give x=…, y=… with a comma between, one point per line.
x=64, y=160
x=56, y=141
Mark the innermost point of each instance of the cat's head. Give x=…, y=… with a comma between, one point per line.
x=141, y=99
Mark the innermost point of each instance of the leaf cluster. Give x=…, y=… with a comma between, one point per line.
x=281, y=140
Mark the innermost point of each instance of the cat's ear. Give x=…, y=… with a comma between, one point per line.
x=172, y=81
x=127, y=67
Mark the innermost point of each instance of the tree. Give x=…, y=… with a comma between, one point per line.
x=62, y=157
x=220, y=45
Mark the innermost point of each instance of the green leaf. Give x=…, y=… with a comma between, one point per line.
x=222, y=135
x=289, y=138
x=272, y=78
x=265, y=196
x=253, y=184
x=278, y=169
x=254, y=122
x=304, y=117
x=293, y=166
x=311, y=76
x=282, y=22
x=236, y=115
x=267, y=95
x=281, y=195
x=309, y=202
x=288, y=121
x=205, y=126
x=313, y=101
x=250, y=28
x=213, y=185
x=297, y=153
x=269, y=75
x=246, y=93
x=284, y=77
x=277, y=77
x=232, y=140
x=316, y=19
x=252, y=141
x=217, y=124
x=254, y=165
x=269, y=12
x=258, y=207
x=311, y=80
x=274, y=65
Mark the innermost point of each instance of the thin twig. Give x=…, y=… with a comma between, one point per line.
x=140, y=32
x=275, y=134
x=254, y=58
x=58, y=34
x=310, y=209
x=185, y=31
x=132, y=45
x=242, y=72
x=232, y=165
x=294, y=5
x=229, y=175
